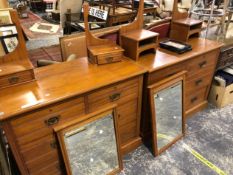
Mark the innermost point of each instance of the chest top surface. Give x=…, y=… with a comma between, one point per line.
x=164, y=58
x=61, y=81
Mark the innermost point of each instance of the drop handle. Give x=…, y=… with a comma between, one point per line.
x=203, y=64
x=52, y=121
x=193, y=99
x=115, y=97
x=198, y=82
x=13, y=80
x=53, y=144
x=109, y=59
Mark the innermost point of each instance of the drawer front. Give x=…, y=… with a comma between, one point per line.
x=38, y=124
x=41, y=154
x=194, y=98
x=16, y=78
x=115, y=94
x=198, y=82
x=202, y=64
x=166, y=72
x=109, y=58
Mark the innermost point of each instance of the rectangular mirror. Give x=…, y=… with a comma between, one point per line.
x=90, y=146
x=167, y=112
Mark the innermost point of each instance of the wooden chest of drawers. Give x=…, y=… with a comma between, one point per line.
x=36, y=141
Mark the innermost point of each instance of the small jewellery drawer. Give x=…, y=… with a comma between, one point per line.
x=37, y=124
x=202, y=63
x=198, y=82
x=109, y=58
x=16, y=78
x=195, y=97
x=119, y=94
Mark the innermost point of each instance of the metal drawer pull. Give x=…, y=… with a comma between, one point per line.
x=203, y=64
x=52, y=121
x=13, y=80
x=198, y=82
x=53, y=144
x=193, y=99
x=109, y=59
x=115, y=97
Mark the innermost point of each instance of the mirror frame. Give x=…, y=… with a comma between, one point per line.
x=79, y=122
x=155, y=88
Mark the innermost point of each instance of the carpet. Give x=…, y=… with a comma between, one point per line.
x=210, y=133
x=27, y=23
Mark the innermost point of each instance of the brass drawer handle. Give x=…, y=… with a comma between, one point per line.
x=52, y=121
x=109, y=59
x=13, y=80
x=198, y=82
x=193, y=99
x=53, y=144
x=115, y=97
x=203, y=64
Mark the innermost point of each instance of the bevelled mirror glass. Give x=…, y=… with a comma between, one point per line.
x=8, y=34
x=167, y=114
x=91, y=147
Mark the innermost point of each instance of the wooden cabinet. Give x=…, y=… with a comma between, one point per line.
x=32, y=137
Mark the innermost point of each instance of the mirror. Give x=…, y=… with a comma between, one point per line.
x=91, y=146
x=167, y=113
x=8, y=34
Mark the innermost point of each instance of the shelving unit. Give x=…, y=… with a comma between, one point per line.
x=139, y=41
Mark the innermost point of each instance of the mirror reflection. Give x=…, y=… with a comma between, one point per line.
x=168, y=105
x=92, y=149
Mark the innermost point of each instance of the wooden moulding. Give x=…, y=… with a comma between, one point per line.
x=15, y=67
x=100, y=51
x=136, y=40
x=182, y=27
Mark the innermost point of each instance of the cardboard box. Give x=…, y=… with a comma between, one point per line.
x=220, y=95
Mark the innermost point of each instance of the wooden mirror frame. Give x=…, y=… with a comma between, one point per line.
x=155, y=88
x=81, y=121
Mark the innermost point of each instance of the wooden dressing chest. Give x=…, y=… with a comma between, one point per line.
x=63, y=92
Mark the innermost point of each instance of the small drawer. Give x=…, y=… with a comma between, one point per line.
x=198, y=82
x=16, y=78
x=109, y=58
x=166, y=72
x=40, y=123
x=202, y=64
x=194, y=98
x=119, y=94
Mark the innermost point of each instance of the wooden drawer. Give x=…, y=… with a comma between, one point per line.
x=198, y=82
x=40, y=123
x=119, y=94
x=109, y=58
x=166, y=72
x=194, y=98
x=202, y=64
x=52, y=169
x=16, y=78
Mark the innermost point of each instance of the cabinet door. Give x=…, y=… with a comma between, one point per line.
x=167, y=112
